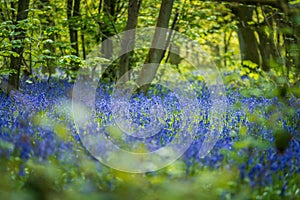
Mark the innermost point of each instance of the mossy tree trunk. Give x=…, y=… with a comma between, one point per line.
x=16, y=61
x=128, y=40
x=155, y=56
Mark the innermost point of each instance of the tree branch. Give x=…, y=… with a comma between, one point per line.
x=273, y=3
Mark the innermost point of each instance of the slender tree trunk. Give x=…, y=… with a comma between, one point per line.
x=98, y=36
x=155, y=56
x=107, y=31
x=49, y=22
x=83, y=42
x=174, y=50
x=107, y=28
x=15, y=62
x=128, y=40
x=73, y=11
x=69, y=15
x=76, y=14
x=291, y=37
x=226, y=46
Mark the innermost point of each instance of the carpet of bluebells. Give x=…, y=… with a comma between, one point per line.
x=257, y=155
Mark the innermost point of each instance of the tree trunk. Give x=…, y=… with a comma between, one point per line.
x=128, y=40
x=49, y=22
x=73, y=11
x=76, y=14
x=15, y=62
x=226, y=46
x=266, y=41
x=69, y=15
x=248, y=42
x=174, y=50
x=107, y=28
x=155, y=56
x=83, y=42
x=265, y=46
x=291, y=37
x=107, y=31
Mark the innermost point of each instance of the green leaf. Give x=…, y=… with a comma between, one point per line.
x=48, y=41
x=6, y=71
x=250, y=64
x=294, y=2
x=29, y=81
x=8, y=53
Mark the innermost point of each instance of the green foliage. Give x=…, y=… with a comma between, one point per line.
x=5, y=71
x=211, y=24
